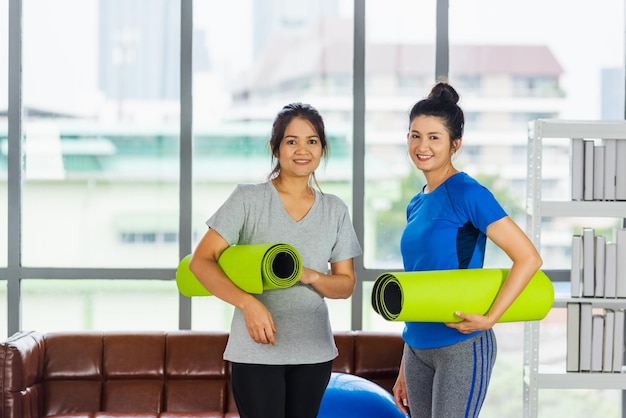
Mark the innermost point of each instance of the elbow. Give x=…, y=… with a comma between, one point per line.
x=193, y=265
x=538, y=261
x=350, y=290
x=340, y=296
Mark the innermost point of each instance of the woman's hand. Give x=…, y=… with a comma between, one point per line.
x=471, y=323
x=309, y=276
x=399, y=392
x=259, y=322
x=338, y=284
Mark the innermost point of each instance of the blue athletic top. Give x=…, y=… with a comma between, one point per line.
x=446, y=230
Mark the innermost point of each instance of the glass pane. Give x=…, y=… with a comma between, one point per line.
x=285, y=52
x=101, y=128
x=4, y=107
x=210, y=313
x=399, y=69
x=67, y=305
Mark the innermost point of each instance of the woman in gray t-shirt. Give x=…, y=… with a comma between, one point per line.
x=281, y=345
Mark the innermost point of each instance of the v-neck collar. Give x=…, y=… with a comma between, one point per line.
x=287, y=215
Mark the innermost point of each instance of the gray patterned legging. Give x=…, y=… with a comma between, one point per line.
x=452, y=381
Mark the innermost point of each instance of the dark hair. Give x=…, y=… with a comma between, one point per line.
x=287, y=113
x=442, y=102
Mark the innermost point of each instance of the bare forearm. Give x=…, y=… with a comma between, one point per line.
x=335, y=286
x=332, y=286
x=519, y=276
x=212, y=277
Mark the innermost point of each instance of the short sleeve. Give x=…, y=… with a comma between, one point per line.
x=481, y=206
x=347, y=244
x=229, y=219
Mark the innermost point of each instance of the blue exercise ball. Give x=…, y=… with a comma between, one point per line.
x=350, y=396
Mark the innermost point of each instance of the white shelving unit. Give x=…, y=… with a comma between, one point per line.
x=535, y=376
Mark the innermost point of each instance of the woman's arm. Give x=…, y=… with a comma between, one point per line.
x=399, y=390
x=203, y=265
x=337, y=285
x=507, y=235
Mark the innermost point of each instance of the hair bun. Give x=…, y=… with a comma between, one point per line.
x=444, y=92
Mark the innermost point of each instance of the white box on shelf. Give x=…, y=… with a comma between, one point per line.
x=618, y=341
x=576, y=269
x=586, y=318
x=609, y=332
x=610, y=269
x=577, y=168
x=572, y=356
x=620, y=171
x=620, y=240
x=600, y=266
x=597, y=338
x=589, y=170
x=589, y=259
x=610, y=166
x=598, y=172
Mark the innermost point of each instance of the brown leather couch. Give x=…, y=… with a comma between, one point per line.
x=149, y=374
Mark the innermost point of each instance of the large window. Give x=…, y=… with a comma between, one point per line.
x=101, y=133
x=399, y=70
x=100, y=144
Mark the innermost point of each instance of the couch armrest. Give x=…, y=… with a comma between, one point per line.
x=21, y=371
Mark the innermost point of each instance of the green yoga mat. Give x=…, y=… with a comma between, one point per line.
x=252, y=267
x=434, y=296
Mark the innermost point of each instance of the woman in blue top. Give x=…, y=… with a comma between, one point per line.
x=446, y=367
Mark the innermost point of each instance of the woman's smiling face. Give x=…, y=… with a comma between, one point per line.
x=429, y=144
x=300, y=149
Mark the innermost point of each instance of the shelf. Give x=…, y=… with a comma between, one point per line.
x=556, y=128
x=606, y=303
x=555, y=379
x=538, y=376
x=600, y=209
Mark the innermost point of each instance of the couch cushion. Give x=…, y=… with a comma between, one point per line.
x=72, y=374
x=194, y=367
x=66, y=396
x=133, y=355
x=195, y=395
x=76, y=357
x=192, y=354
x=133, y=395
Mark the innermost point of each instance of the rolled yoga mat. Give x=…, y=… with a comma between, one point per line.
x=252, y=267
x=434, y=296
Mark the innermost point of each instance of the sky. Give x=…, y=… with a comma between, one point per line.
x=585, y=36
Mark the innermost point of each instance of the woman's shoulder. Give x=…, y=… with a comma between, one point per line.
x=332, y=199
x=466, y=183
x=468, y=191
x=252, y=188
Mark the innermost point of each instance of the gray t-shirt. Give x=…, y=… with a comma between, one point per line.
x=254, y=214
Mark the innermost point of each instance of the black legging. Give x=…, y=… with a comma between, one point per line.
x=279, y=391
